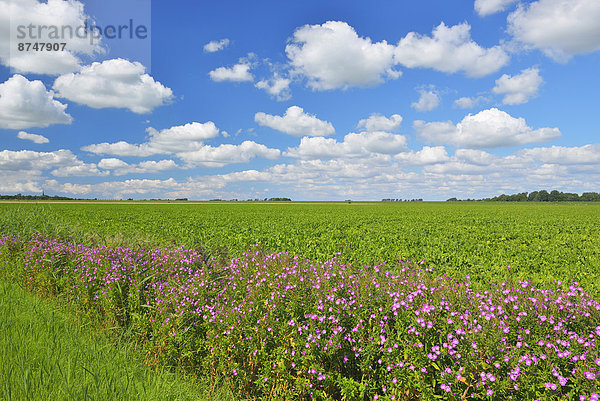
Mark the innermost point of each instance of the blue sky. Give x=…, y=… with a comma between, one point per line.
x=308, y=100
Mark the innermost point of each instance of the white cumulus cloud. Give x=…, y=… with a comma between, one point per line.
x=181, y=138
x=587, y=154
x=185, y=142
x=295, y=122
x=80, y=170
x=429, y=99
x=520, y=88
x=450, y=50
x=119, y=167
x=377, y=122
x=219, y=156
x=26, y=104
x=351, y=170
x=178, y=138
x=475, y=156
x=488, y=7
x=490, y=128
x=120, y=148
x=115, y=83
x=238, y=73
x=12, y=185
x=333, y=56
x=354, y=145
x=216, y=45
x=427, y=155
x=63, y=162
x=35, y=138
x=470, y=102
x=375, y=142
x=276, y=86
x=559, y=28
x=112, y=164
x=122, y=189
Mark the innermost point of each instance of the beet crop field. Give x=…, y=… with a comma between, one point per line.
x=359, y=301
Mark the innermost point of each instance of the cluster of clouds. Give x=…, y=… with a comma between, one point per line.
x=332, y=55
x=375, y=140
x=112, y=83
x=28, y=163
x=115, y=83
x=187, y=142
x=364, y=144
x=325, y=56
x=430, y=171
x=559, y=28
x=361, y=165
x=182, y=138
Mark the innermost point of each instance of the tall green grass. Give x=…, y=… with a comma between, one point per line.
x=48, y=352
x=28, y=220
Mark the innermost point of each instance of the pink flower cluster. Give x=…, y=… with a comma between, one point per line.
x=323, y=327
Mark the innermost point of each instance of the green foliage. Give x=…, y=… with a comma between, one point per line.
x=27, y=220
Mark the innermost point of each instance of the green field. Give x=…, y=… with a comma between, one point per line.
x=307, y=301
x=540, y=241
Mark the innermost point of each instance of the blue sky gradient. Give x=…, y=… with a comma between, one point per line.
x=464, y=99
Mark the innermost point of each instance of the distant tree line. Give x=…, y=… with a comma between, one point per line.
x=401, y=200
x=253, y=200
x=463, y=200
x=64, y=198
x=35, y=197
x=543, y=196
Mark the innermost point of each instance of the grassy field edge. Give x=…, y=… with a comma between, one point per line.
x=50, y=352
